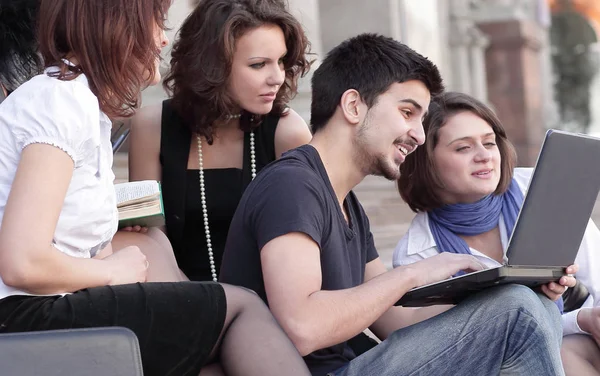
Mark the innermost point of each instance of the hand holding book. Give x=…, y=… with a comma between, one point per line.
x=135, y=228
x=140, y=205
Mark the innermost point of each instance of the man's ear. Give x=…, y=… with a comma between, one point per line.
x=352, y=106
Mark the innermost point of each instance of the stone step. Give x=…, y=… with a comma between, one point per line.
x=386, y=238
x=378, y=183
x=388, y=215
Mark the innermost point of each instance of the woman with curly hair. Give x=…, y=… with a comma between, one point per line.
x=234, y=67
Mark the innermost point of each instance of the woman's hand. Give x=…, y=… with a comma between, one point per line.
x=555, y=290
x=127, y=265
x=140, y=229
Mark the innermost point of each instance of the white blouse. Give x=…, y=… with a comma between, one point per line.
x=418, y=243
x=65, y=114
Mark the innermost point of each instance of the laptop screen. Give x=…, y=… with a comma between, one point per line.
x=559, y=201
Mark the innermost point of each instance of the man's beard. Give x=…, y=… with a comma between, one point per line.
x=369, y=163
x=390, y=171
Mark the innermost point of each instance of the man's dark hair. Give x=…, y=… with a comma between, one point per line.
x=19, y=58
x=369, y=64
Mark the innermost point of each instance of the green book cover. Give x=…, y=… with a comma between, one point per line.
x=155, y=219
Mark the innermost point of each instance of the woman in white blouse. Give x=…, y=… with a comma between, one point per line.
x=58, y=210
x=470, y=180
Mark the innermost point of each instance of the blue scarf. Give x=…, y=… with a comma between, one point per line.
x=449, y=221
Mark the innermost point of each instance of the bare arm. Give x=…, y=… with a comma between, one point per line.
x=314, y=318
x=398, y=317
x=28, y=261
x=291, y=132
x=144, y=144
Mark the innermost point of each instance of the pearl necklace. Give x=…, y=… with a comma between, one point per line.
x=211, y=259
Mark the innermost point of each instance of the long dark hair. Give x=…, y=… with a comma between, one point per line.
x=203, y=53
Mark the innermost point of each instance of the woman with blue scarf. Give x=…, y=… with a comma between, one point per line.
x=467, y=194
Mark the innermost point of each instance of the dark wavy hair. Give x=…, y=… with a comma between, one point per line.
x=113, y=41
x=19, y=58
x=419, y=182
x=202, y=56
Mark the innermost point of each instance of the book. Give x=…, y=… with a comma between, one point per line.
x=140, y=204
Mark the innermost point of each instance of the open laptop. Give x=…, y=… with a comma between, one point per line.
x=551, y=224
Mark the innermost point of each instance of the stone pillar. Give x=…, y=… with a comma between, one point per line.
x=516, y=78
x=423, y=28
x=515, y=83
x=479, y=42
x=307, y=12
x=551, y=116
x=466, y=51
x=416, y=23
x=342, y=19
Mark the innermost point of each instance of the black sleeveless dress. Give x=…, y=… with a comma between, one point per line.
x=224, y=188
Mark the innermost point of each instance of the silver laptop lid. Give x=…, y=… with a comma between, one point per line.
x=559, y=201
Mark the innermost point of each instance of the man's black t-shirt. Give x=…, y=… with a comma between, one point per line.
x=294, y=194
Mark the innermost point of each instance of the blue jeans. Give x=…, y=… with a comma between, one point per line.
x=506, y=330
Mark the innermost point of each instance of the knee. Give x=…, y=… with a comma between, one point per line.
x=243, y=299
x=510, y=297
x=158, y=236
x=569, y=348
x=567, y=353
x=580, y=346
x=570, y=360
x=537, y=306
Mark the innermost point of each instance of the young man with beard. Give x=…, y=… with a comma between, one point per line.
x=301, y=239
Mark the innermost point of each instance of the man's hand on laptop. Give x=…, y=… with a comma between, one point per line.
x=555, y=290
x=443, y=266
